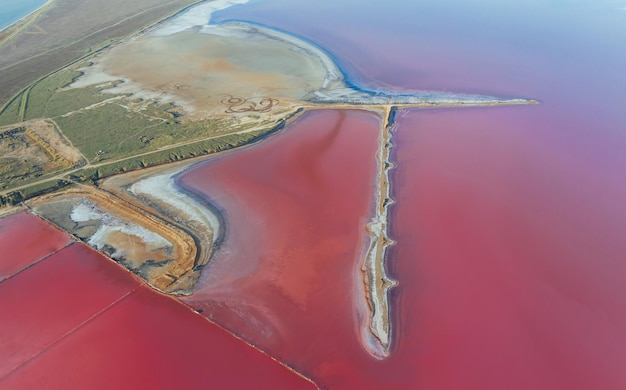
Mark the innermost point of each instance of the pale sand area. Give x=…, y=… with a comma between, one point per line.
x=375, y=279
x=201, y=71
x=240, y=68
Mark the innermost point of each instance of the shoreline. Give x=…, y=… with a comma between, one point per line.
x=172, y=277
x=192, y=213
x=376, y=282
x=337, y=88
x=25, y=20
x=160, y=190
x=341, y=88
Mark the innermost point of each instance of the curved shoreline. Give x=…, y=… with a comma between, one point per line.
x=338, y=86
x=341, y=88
x=375, y=279
x=152, y=191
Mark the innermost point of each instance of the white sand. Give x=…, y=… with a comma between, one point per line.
x=164, y=189
x=197, y=16
x=87, y=211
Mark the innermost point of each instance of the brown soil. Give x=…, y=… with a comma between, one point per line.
x=51, y=135
x=21, y=158
x=209, y=75
x=177, y=276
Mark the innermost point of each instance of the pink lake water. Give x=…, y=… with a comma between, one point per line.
x=25, y=239
x=76, y=319
x=287, y=277
x=509, y=222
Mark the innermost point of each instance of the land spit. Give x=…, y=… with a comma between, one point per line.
x=156, y=191
x=236, y=67
x=375, y=279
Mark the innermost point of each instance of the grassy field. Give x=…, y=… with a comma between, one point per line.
x=93, y=174
x=9, y=113
x=115, y=133
x=199, y=148
x=49, y=99
x=110, y=133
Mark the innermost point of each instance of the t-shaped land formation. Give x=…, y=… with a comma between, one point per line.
x=250, y=72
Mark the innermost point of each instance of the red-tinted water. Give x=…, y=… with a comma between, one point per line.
x=509, y=222
x=149, y=341
x=48, y=301
x=24, y=239
x=510, y=276
x=507, y=279
x=77, y=320
x=296, y=205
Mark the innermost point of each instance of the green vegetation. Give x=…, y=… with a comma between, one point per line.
x=112, y=131
x=9, y=111
x=93, y=174
x=199, y=148
x=116, y=133
x=48, y=98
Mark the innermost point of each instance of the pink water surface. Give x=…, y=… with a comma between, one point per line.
x=26, y=239
x=78, y=320
x=510, y=276
x=509, y=222
x=287, y=278
x=507, y=278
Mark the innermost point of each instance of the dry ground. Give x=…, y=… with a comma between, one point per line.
x=67, y=30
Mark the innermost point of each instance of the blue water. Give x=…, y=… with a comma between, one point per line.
x=13, y=10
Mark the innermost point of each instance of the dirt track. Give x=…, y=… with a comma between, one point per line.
x=67, y=30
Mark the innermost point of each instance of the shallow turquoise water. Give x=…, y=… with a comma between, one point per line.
x=14, y=10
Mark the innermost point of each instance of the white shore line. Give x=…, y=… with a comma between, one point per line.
x=164, y=190
x=198, y=15
x=334, y=88
x=375, y=280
